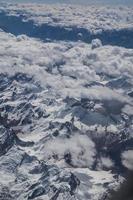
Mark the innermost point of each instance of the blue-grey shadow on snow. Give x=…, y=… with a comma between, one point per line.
x=16, y=26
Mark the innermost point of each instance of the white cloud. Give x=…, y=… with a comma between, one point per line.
x=127, y=159
x=89, y=17
x=128, y=109
x=55, y=65
x=96, y=43
x=107, y=162
x=81, y=148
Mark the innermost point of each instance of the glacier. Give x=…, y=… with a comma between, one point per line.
x=66, y=108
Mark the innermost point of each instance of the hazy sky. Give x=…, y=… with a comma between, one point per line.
x=121, y=2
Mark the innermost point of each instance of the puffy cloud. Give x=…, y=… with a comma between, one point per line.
x=107, y=162
x=128, y=109
x=65, y=70
x=80, y=148
x=89, y=17
x=127, y=159
x=96, y=43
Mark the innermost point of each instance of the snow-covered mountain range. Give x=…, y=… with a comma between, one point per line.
x=66, y=109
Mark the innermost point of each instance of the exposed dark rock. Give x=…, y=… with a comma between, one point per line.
x=37, y=192
x=7, y=140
